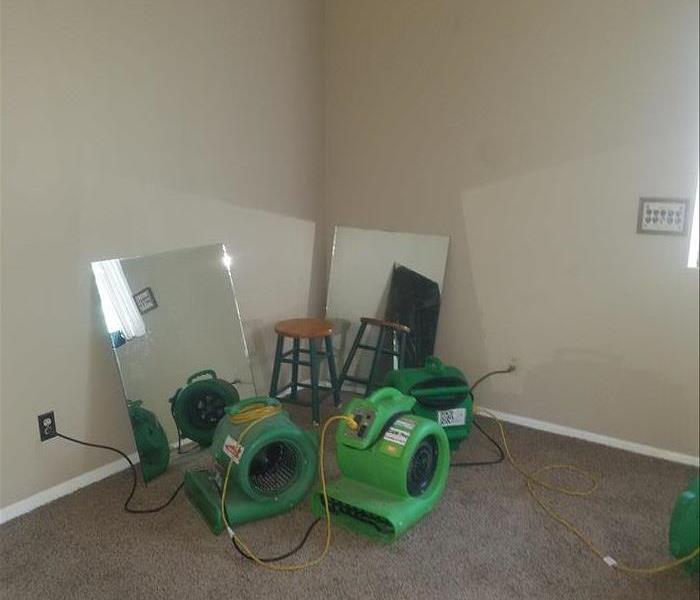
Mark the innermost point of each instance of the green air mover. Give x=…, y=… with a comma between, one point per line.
x=199, y=406
x=684, y=532
x=442, y=394
x=151, y=441
x=394, y=467
x=275, y=468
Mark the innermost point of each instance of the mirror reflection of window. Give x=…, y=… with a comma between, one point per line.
x=179, y=344
x=121, y=315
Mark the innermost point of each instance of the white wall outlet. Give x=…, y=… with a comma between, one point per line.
x=663, y=216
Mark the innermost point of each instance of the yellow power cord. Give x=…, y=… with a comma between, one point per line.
x=532, y=480
x=254, y=414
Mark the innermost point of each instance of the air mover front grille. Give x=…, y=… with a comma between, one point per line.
x=206, y=410
x=274, y=468
x=422, y=466
x=382, y=525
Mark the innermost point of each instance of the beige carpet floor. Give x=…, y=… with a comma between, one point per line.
x=486, y=540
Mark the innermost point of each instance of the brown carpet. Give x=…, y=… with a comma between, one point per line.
x=486, y=540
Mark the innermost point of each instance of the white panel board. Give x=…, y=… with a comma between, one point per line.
x=361, y=268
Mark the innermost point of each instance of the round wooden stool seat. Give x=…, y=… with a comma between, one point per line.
x=304, y=328
x=390, y=324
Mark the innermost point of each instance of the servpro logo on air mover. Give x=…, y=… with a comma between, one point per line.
x=233, y=449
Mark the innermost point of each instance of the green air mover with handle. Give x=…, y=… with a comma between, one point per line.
x=684, y=532
x=199, y=406
x=393, y=467
x=275, y=469
x=442, y=394
x=151, y=441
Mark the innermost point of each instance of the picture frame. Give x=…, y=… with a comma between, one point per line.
x=663, y=216
x=145, y=300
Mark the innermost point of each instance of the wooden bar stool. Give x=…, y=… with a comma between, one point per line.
x=313, y=330
x=398, y=333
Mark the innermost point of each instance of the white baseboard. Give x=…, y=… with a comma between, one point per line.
x=68, y=487
x=63, y=489
x=597, y=438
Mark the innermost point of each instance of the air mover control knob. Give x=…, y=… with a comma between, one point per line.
x=363, y=419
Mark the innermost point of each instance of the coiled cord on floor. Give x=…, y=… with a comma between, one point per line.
x=127, y=508
x=534, y=480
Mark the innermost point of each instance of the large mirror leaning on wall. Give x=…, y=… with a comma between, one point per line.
x=380, y=280
x=173, y=322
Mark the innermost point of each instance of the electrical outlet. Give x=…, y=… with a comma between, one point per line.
x=47, y=426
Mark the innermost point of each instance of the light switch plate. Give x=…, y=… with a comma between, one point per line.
x=663, y=216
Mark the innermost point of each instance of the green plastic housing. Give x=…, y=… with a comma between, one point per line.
x=442, y=395
x=254, y=493
x=684, y=532
x=151, y=441
x=204, y=385
x=372, y=495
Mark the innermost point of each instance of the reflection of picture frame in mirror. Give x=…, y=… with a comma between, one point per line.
x=166, y=355
x=145, y=300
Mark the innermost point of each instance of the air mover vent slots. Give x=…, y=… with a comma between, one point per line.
x=392, y=474
x=382, y=525
x=440, y=392
x=422, y=467
x=274, y=468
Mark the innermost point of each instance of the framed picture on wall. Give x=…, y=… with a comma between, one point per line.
x=663, y=216
x=145, y=300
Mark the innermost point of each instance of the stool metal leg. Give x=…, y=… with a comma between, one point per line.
x=331, y=370
x=351, y=355
x=375, y=361
x=313, y=359
x=295, y=369
x=276, y=367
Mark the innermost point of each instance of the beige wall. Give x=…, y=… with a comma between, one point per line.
x=134, y=127
x=526, y=131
